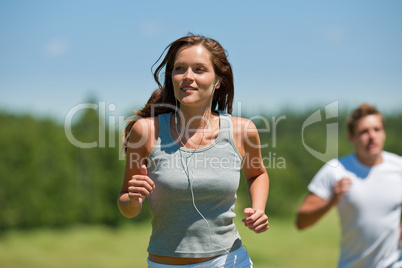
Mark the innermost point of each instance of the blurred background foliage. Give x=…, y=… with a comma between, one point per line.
x=47, y=182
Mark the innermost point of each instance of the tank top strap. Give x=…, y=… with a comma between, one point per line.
x=164, y=135
x=225, y=130
x=164, y=123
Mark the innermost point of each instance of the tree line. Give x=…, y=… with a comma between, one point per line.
x=46, y=181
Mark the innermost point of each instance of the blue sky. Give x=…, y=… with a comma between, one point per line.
x=55, y=55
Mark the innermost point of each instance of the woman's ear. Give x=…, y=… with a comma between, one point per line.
x=217, y=82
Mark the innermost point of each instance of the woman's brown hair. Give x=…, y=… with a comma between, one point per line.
x=163, y=99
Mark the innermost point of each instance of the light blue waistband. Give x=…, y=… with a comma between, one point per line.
x=238, y=258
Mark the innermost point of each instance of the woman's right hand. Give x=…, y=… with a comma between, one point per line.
x=140, y=187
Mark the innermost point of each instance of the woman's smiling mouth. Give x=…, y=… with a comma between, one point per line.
x=188, y=88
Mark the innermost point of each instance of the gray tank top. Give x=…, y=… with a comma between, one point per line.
x=209, y=176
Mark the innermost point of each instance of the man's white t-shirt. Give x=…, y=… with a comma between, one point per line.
x=370, y=213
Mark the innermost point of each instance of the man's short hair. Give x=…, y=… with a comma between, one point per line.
x=363, y=110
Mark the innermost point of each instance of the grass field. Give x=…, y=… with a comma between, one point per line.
x=281, y=246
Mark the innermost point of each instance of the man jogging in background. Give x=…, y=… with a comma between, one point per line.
x=366, y=187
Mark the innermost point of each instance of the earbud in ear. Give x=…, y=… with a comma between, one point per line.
x=217, y=83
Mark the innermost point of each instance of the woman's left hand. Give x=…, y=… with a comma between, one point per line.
x=256, y=220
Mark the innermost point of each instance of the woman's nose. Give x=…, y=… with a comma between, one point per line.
x=189, y=75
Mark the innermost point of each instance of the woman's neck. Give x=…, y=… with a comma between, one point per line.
x=193, y=119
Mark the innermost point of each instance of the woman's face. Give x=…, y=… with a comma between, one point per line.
x=193, y=76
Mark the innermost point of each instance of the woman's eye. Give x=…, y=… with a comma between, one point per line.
x=179, y=70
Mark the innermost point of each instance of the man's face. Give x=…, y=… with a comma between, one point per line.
x=369, y=136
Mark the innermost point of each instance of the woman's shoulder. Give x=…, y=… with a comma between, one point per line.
x=145, y=132
x=244, y=124
x=144, y=125
x=244, y=133
x=243, y=129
